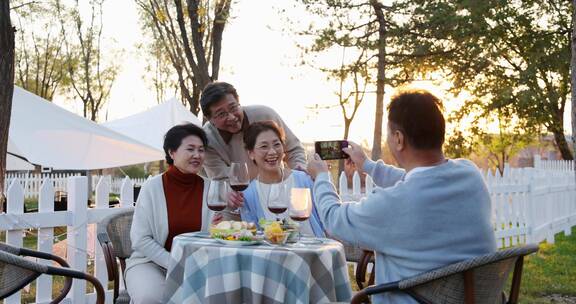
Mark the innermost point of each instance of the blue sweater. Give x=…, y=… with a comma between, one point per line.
x=430, y=219
x=253, y=208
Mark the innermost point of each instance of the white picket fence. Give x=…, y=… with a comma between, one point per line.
x=31, y=182
x=78, y=219
x=115, y=182
x=529, y=205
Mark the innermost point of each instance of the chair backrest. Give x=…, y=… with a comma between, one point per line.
x=485, y=276
x=353, y=253
x=117, y=227
x=17, y=272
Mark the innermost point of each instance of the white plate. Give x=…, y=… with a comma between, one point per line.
x=238, y=243
x=201, y=234
x=310, y=241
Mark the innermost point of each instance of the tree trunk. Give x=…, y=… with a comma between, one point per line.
x=347, y=123
x=222, y=10
x=6, y=84
x=377, y=142
x=202, y=75
x=561, y=142
x=573, y=77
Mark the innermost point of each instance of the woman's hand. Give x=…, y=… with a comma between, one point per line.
x=235, y=199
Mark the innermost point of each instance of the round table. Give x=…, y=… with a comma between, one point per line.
x=202, y=270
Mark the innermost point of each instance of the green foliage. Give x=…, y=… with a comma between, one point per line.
x=136, y=171
x=512, y=56
x=458, y=145
x=186, y=43
x=353, y=25
x=40, y=63
x=511, y=136
x=376, y=36
x=91, y=75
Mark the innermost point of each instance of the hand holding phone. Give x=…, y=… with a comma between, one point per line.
x=331, y=149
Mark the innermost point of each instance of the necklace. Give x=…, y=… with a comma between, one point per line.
x=281, y=176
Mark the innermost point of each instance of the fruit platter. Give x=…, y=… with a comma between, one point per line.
x=279, y=232
x=235, y=233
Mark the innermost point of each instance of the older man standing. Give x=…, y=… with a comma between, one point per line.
x=227, y=120
x=433, y=212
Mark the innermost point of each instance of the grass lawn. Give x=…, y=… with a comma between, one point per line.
x=550, y=275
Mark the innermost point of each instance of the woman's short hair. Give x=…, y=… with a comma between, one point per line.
x=174, y=136
x=417, y=114
x=213, y=93
x=256, y=128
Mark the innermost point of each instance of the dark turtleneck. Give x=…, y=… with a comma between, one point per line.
x=183, y=193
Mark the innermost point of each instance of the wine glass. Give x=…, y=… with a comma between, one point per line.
x=217, y=194
x=238, y=177
x=300, y=206
x=278, y=199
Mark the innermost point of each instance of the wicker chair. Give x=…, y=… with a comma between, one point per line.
x=17, y=272
x=477, y=280
x=114, y=237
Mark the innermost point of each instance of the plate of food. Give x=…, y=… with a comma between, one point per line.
x=235, y=233
x=279, y=232
x=239, y=243
x=275, y=235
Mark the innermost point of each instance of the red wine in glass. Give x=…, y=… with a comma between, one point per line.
x=238, y=187
x=216, y=207
x=277, y=210
x=299, y=218
x=217, y=195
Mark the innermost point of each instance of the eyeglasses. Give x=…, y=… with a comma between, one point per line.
x=233, y=109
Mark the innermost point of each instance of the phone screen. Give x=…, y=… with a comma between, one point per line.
x=331, y=149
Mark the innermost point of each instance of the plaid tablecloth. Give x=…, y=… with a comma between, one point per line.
x=204, y=271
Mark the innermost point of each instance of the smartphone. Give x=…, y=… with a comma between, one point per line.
x=331, y=149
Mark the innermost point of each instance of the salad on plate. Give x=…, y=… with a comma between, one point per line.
x=234, y=231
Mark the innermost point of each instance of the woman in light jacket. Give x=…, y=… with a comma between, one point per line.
x=169, y=204
x=264, y=141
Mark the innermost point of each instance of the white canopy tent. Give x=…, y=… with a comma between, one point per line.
x=48, y=135
x=14, y=163
x=151, y=125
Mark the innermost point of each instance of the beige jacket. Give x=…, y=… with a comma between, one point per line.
x=220, y=154
x=149, y=229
